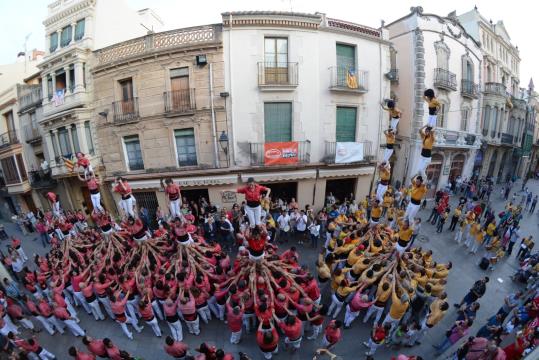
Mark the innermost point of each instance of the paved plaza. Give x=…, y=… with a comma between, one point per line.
x=464, y=273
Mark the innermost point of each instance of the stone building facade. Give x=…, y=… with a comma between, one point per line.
x=160, y=112
x=431, y=51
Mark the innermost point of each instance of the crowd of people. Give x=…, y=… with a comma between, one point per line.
x=202, y=264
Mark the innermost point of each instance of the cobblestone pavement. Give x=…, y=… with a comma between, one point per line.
x=464, y=273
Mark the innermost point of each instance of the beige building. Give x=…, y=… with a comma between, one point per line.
x=160, y=112
x=74, y=28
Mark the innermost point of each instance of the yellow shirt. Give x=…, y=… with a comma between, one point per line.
x=475, y=228
x=388, y=200
x=480, y=236
x=405, y=235
x=457, y=212
x=344, y=291
x=398, y=308
x=341, y=219
x=376, y=212
x=391, y=213
x=353, y=258
x=433, y=103
x=418, y=192
x=382, y=295
x=490, y=229
x=390, y=138
x=385, y=174
x=435, y=314
x=428, y=140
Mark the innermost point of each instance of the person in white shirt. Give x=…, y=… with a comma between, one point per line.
x=301, y=225
x=314, y=229
x=283, y=225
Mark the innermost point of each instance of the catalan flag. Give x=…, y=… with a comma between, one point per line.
x=69, y=164
x=351, y=80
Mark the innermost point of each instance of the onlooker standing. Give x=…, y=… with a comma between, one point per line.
x=476, y=292
x=43, y=234
x=314, y=229
x=301, y=225
x=332, y=334
x=458, y=331
x=283, y=222
x=534, y=203
x=378, y=336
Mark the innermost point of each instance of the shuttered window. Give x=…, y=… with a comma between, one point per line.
x=10, y=170
x=133, y=152
x=278, y=122
x=346, y=124
x=22, y=168
x=186, y=147
x=346, y=61
x=79, y=29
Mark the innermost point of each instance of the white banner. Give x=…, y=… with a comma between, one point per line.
x=347, y=152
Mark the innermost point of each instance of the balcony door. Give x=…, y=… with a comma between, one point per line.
x=278, y=122
x=179, y=89
x=126, y=89
x=346, y=124
x=276, y=60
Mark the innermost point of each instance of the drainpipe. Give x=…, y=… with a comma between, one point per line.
x=380, y=117
x=232, y=153
x=213, y=122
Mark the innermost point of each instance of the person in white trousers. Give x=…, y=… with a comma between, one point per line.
x=91, y=300
x=425, y=158
x=385, y=174
x=92, y=182
x=62, y=315
x=390, y=144
x=127, y=203
x=173, y=196
x=433, y=104
x=253, y=194
x=147, y=313
x=394, y=113
x=417, y=192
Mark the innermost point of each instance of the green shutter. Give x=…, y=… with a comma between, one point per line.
x=278, y=122
x=346, y=56
x=346, y=124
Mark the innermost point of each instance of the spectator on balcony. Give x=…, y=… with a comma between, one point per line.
x=394, y=112
x=44, y=166
x=434, y=106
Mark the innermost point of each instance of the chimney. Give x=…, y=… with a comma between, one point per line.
x=37, y=54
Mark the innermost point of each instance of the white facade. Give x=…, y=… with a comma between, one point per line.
x=435, y=52
x=504, y=110
x=314, y=95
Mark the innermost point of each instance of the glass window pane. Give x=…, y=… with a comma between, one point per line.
x=282, y=46
x=185, y=147
x=75, y=137
x=53, y=41
x=79, y=29
x=89, y=140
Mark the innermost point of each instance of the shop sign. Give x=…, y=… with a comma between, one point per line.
x=281, y=153
x=228, y=197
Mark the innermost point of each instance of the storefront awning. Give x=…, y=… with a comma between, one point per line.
x=281, y=175
x=352, y=171
x=187, y=181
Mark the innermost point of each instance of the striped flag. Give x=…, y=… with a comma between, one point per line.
x=351, y=80
x=70, y=165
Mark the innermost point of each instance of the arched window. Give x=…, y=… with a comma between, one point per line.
x=442, y=55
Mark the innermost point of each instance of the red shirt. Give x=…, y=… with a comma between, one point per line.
x=92, y=184
x=120, y=190
x=252, y=194
x=173, y=191
x=234, y=321
x=113, y=353
x=97, y=347
x=44, y=308
x=83, y=162
x=51, y=196
x=293, y=332
x=333, y=335
x=267, y=347
x=257, y=244
x=177, y=349
x=16, y=243
x=84, y=356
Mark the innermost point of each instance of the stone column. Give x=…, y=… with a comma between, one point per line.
x=45, y=88
x=497, y=165
x=68, y=78
x=55, y=141
x=81, y=133
x=70, y=135
x=73, y=26
x=49, y=147
x=79, y=77
x=53, y=76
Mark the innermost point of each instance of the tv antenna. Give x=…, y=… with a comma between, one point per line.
x=25, y=54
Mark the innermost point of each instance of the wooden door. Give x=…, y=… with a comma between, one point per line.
x=180, y=97
x=127, y=96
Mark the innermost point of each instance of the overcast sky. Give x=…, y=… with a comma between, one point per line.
x=22, y=17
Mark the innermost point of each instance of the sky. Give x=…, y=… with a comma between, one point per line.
x=23, y=17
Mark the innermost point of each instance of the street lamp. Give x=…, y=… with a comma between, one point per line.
x=223, y=141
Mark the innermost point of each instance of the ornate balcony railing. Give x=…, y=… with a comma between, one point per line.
x=495, y=89
x=125, y=111
x=453, y=138
x=445, y=79
x=271, y=74
x=518, y=103
x=347, y=79
x=256, y=153
x=469, y=89
x=331, y=149
x=507, y=139
x=42, y=179
x=179, y=101
x=8, y=138
x=30, y=96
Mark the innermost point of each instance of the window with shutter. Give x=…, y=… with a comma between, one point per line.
x=66, y=36
x=10, y=170
x=79, y=29
x=278, y=122
x=22, y=168
x=276, y=60
x=133, y=153
x=346, y=61
x=346, y=124
x=89, y=140
x=186, y=147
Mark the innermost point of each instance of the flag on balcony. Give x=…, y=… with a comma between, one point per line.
x=351, y=79
x=70, y=165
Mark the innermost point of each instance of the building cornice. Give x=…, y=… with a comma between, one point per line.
x=62, y=14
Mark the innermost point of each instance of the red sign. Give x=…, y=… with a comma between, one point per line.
x=281, y=153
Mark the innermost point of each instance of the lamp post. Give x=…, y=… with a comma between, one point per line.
x=223, y=142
